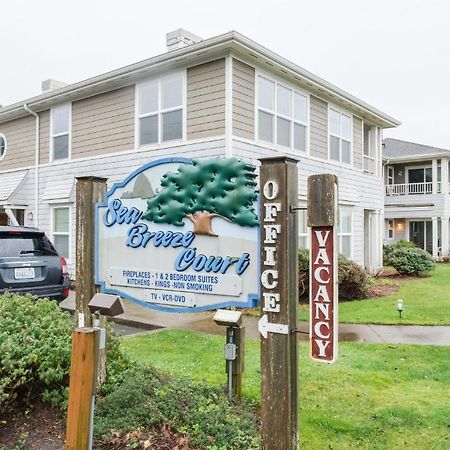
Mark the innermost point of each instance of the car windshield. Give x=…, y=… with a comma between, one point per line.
x=19, y=244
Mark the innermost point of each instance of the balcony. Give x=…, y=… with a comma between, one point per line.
x=410, y=189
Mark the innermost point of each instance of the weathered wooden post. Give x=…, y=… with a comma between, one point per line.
x=89, y=191
x=238, y=363
x=323, y=292
x=82, y=388
x=279, y=297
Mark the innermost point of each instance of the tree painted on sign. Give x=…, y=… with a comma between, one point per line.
x=217, y=187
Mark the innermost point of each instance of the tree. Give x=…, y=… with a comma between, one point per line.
x=216, y=187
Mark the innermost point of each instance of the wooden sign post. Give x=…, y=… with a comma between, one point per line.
x=323, y=289
x=89, y=191
x=279, y=297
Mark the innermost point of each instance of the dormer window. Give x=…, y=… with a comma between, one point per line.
x=60, y=132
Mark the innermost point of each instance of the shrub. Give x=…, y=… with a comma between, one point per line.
x=353, y=281
x=411, y=261
x=388, y=249
x=35, y=349
x=147, y=399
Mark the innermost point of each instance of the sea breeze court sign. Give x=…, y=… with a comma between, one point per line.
x=181, y=235
x=322, y=190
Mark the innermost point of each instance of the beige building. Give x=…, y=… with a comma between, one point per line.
x=417, y=200
x=225, y=96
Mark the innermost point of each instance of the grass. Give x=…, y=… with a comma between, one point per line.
x=426, y=302
x=373, y=397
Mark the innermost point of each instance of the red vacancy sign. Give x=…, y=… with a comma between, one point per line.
x=323, y=267
x=323, y=297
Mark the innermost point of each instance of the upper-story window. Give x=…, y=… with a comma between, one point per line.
x=60, y=132
x=2, y=146
x=390, y=175
x=340, y=136
x=160, y=110
x=282, y=115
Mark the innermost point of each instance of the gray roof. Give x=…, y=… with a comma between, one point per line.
x=397, y=149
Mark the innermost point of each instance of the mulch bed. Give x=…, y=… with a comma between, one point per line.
x=42, y=427
x=33, y=427
x=379, y=289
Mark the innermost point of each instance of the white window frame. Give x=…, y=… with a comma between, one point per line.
x=275, y=114
x=341, y=234
x=390, y=169
x=6, y=146
x=350, y=116
x=160, y=111
x=69, y=133
x=423, y=167
x=60, y=233
x=391, y=229
x=300, y=233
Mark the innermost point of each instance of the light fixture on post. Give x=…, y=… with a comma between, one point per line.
x=400, y=307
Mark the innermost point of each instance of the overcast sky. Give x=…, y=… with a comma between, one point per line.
x=394, y=54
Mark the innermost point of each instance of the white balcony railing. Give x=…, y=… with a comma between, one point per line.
x=409, y=188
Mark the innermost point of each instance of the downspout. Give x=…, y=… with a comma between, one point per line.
x=36, y=166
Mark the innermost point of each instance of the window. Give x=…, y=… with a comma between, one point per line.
x=2, y=146
x=390, y=229
x=282, y=115
x=345, y=231
x=368, y=145
x=390, y=175
x=60, y=132
x=340, y=126
x=61, y=230
x=160, y=110
x=303, y=240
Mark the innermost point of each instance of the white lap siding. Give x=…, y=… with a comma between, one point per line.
x=358, y=190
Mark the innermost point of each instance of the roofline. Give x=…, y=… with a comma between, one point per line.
x=400, y=159
x=102, y=83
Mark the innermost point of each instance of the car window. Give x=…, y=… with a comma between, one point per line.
x=25, y=244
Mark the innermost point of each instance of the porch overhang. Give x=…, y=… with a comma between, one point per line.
x=10, y=184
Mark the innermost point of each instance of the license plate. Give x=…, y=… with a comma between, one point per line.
x=24, y=273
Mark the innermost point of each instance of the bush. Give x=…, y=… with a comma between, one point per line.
x=35, y=346
x=35, y=349
x=411, y=261
x=147, y=399
x=353, y=281
x=388, y=249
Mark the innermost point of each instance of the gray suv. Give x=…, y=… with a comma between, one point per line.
x=29, y=263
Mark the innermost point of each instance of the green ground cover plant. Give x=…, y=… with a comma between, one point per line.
x=426, y=302
x=374, y=396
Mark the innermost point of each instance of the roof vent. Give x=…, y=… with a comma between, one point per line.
x=52, y=85
x=180, y=38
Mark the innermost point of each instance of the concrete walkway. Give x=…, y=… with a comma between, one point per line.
x=141, y=317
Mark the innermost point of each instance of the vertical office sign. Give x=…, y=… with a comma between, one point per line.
x=323, y=292
x=279, y=297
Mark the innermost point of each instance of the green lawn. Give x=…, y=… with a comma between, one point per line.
x=373, y=397
x=426, y=302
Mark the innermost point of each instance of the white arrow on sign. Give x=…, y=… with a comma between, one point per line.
x=264, y=327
